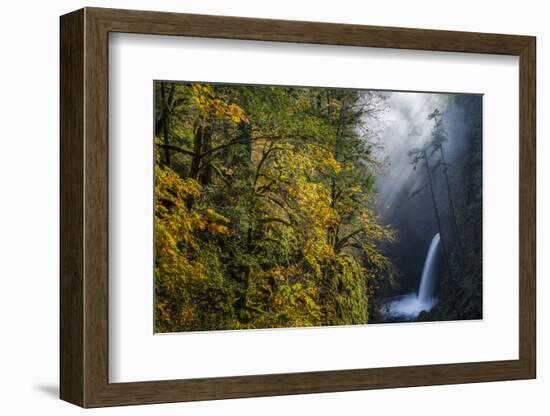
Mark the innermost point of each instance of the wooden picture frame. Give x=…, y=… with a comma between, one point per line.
x=84, y=207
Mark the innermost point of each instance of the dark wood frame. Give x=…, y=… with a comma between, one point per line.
x=84, y=208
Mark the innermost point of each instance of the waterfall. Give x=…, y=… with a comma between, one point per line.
x=409, y=306
x=425, y=292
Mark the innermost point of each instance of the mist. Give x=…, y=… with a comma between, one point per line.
x=403, y=126
x=404, y=200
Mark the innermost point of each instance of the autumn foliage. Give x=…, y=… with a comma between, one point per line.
x=263, y=207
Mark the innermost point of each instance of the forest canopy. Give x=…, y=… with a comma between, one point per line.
x=265, y=207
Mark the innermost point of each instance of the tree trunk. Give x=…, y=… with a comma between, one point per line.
x=206, y=175
x=451, y=201
x=436, y=211
x=197, y=152
x=244, y=136
x=165, y=116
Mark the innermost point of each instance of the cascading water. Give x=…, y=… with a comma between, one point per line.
x=425, y=292
x=410, y=306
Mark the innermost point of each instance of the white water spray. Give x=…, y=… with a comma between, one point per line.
x=410, y=306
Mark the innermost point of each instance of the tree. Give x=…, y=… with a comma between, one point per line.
x=420, y=156
x=263, y=207
x=438, y=137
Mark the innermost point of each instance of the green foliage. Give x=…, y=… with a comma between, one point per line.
x=263, y=207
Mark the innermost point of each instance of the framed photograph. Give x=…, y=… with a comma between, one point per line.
x=255, y=207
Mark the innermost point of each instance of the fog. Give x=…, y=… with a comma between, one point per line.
x=403, y=126
x=403, y=196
